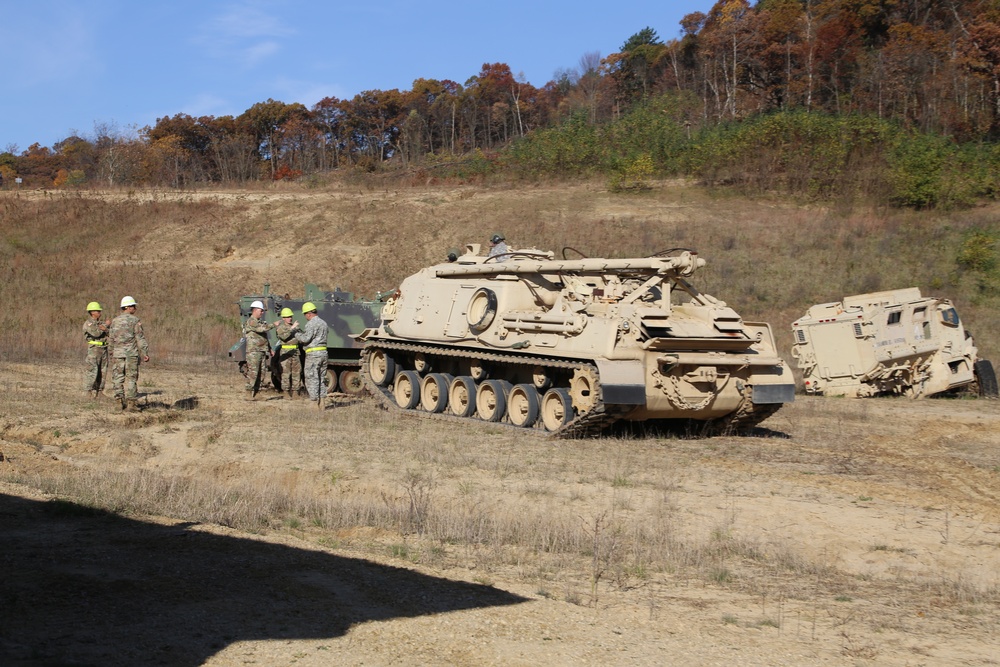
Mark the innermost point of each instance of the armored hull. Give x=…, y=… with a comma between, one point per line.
x=567, y=347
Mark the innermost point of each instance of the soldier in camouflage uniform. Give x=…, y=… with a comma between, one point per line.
x=128, y=346
x=255, y=330
x=314, y=338
x=288, y=353
x=95, y=333
x=498, y=246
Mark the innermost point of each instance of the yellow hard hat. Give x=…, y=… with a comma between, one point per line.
x=93, y=305
x=286, y=312
x=308, y=307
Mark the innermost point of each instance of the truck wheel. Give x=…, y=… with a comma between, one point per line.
x=491, y=400
x=407, y=390
x=350, y=382
x=462, y=396
x=987, y=379
x=522, y=406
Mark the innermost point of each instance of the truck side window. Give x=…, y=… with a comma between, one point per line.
x=950, y=317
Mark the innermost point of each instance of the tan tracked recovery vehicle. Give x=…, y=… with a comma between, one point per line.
x=570, y=346
x=893, y=342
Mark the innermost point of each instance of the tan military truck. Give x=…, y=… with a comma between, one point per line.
x=892, y=342
x=568, y=346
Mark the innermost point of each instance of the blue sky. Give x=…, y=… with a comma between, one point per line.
x=71, y=64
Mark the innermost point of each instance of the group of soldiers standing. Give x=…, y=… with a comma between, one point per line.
x=119, y=343
x=312, y=339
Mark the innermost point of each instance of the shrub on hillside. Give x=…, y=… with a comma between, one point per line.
x=797, y=152
x=634, y=175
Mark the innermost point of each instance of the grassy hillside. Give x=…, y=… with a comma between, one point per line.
x=187, y=257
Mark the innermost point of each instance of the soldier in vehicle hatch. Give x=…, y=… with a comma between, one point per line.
x=498, y=246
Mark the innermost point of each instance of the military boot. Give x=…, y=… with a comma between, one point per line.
x=121, y=401
x=130, y=405
x=319, y=403
x=291, y=395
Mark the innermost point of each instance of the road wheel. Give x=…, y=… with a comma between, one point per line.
x=557, y=409
x=540, y=378
x=478, y=371
x=523, y=405
x=583, y=389
x=381, y=368
x=407, y=389
x=462, y=396
x=331, y=379
x=491, y=400
x=421, y=363
x=987, y=379
x=434, y=392
x=350, y=382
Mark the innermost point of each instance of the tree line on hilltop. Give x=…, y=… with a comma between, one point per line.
x=910, y=87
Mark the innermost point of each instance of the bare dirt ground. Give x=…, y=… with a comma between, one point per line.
x=858, y=532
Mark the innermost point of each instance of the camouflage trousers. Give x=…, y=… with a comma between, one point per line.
x=316, y=375
x=256, y=366
x=97, y=368
x=291, y=370
x=125, y=377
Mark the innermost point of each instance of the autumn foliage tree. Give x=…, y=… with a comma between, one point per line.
x=924, y=66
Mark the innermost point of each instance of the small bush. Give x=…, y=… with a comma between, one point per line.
x=978, y=252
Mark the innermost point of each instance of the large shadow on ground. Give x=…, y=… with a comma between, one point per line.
x=86, y=587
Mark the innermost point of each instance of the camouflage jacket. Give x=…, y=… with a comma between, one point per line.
x=126, y=337
x=94, y=330
x=285, y=334
x=255, y=331
x=498, y=249
x=313, y=334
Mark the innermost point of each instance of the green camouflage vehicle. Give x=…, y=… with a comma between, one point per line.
x=346, y=316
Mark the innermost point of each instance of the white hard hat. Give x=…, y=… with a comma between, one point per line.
x=257, y=304
x=127, y=301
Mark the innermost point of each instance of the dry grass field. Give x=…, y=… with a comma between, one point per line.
x=211, y=530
